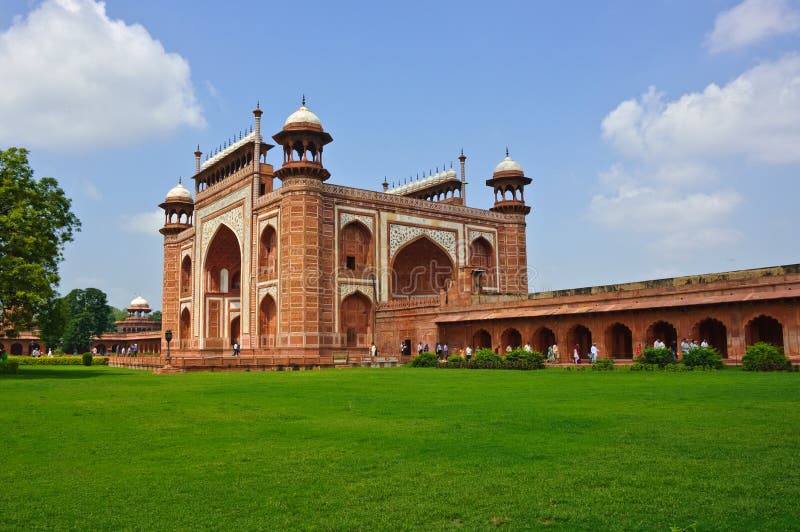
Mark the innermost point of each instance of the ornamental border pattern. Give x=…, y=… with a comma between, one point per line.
x=401, y=234
x=347, y=217
x=485, y=234
x=346, y=289
x=272, y=290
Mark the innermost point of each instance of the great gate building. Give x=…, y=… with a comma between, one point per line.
x=299, y=271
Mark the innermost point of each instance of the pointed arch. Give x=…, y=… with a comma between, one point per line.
x=186, y=276
x=268, y=254
x=764, y=328
x=510, y=338
x=356, y=253
x=543, y=338
x=481, y=258
x=714, y=332
x=619, y=341
x=267, y=322
x=223, y=253
x=481, y=339
x=581, y=336
x=664, y=331
x=355, y=320
x=421, y=267
x=185, y=327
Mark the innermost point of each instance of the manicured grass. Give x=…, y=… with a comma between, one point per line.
x=106, y=448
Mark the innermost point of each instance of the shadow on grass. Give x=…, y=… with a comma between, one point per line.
x=52, y=372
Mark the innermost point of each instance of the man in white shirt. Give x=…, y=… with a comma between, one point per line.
x=594, y=353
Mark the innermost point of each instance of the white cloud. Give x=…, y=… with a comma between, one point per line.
x=73, y=78
x=756, y=115
x=91, y=190
x=750, y=22
x=147, y=223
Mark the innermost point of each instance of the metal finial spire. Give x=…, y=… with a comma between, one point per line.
x=258, y=104
x=451, y=164
x=462, y=151
x=304, y=100
x=179, y=180
x=506, y=151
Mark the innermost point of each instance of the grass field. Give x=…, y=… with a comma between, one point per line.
x=106, y=448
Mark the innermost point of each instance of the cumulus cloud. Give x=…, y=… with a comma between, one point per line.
x=74, y=78
x=756, y=115
x=147, y=223
x=750, y=22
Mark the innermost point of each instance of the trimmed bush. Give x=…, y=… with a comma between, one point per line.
x=765, y=357
x=87, y=359
x=426, y=359
x=702, y=357
x=521, y=359
x=486, y=359
x=454, y=359
x=603, y=364
x=9, y=366
x=68, y=360
x=658, y=356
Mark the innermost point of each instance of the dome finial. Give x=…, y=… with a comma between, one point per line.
x=179, y=180
x=304, y=100
x=258, y=104
x=506, y=151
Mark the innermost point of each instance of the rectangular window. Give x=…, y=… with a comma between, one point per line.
x=351, y=262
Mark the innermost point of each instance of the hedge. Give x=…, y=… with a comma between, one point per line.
x=67, y=360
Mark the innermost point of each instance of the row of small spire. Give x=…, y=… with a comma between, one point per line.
x=412, y=179
x=228, y=142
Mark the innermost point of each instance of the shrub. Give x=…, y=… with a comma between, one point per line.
x=765, y=357
x=658, y=356
x=698, y=357
x=603, y=364
x=454, y=359
x=87, y=359
x=486, y=359
x=521, y=359
x=9, y=366
x=67, y=360
x=426, y=359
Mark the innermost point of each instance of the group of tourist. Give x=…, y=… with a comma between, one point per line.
x=128, y=351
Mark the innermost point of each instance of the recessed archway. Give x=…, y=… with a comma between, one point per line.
x=543, y=338
x=223, y=261
x=714, y=332
x=581, y=336
x=481, y=257
x=185, y=327
x=619, y=341
x=268, y=255
x=421, y=268
x=664, y=331
x=355, y=318
x=355, y=250
x=510, y=338
x=16, y=349
x=235, y=329
x=764, y=329
x=482, y=339
x=186, y=276
x=267, y=322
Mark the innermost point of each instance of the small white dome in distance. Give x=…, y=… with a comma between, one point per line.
x=302, y=115
x=139, y=301
x=179, y=192
x=451, y=173
x=508, y=164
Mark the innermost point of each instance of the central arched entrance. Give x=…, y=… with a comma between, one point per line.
x=222, y=274
x=421, y=268
x=355, y=316
x=619, y=341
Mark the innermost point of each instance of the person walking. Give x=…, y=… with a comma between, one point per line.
x=576, y=354
x=468, y=353
x=373, y=350
x=445, y=350
x=594, y=353
x=419, y=348
x=235, y=349
x=555, y=353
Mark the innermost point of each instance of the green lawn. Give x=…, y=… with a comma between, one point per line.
x=105, y=448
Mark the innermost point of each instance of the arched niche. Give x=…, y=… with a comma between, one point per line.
x=543, y=338
x=185, y=327
x=714, y=332
x=223, y=260
x=186, y=276
x=268, y=254
x=355, y=320
x=356, y=257
x=420, y=268
x=481, y=339
x=267, y=321
x=581, y=336
x=481, y=257
x=510, y=338
x=619, y=341
x=764, y=329
x=663, y=331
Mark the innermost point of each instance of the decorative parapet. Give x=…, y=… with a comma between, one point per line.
x=414, y=302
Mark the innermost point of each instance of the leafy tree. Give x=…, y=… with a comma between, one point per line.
x=52, y=321
x=87, y=316
x=156, y=315
x=35, y=224
x=116, y=315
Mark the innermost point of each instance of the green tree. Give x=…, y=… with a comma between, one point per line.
x=52, y=322
x=116, y=315
x=156, y=315
x=35, y=224
x=88, y=315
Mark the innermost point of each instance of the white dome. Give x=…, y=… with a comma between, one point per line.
x=302, y=115
x=508, y=164
x=139, y=301
x=179, y=192
x=451, y=173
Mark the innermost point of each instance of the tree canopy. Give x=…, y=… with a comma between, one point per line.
x=88, y=315
x=35, y=224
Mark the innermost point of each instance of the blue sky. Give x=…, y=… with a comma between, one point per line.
x=662, y=137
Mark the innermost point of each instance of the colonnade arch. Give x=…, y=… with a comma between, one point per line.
x=581, y=336
x=543, y=338
x=619, y=341
x=481, y=339
x=714, y=332
x=510, y=338
x=664, y=331
x=764, y=328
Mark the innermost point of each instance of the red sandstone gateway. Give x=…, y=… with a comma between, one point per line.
x=310, y=274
